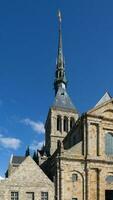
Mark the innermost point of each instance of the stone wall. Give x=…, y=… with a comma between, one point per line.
x=94, y=168
x=27, y=178
x=52, y=134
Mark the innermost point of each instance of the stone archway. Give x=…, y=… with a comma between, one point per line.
x=82, y=179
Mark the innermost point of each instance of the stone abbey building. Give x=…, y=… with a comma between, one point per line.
x=78, y=156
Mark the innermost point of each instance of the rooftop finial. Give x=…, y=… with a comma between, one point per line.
x=59, y=16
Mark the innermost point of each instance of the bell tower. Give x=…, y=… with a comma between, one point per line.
x=62, y=114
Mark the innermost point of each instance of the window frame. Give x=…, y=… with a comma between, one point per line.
x=74, y=177
x=14, y=195
x=109, y=143
x=32, y=195
x=65, y=127
x=44, y=195
x=59, y=123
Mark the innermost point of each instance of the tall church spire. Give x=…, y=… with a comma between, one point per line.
x=62, y=113
x=62, y=99
x=60, y=77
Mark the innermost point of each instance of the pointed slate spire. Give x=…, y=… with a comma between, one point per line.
x=60, y=61
x=60, y=77
x=104, y=99
x=36, y=158
x=27, y=153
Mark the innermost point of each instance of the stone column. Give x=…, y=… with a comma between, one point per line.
x=62, y=124
x=98, y=184
x=57, y=189
x=98, y=140
x=86, y=174
x=68, y=124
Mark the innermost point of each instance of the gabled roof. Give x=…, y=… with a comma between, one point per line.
x=104, y=99
x=29, y=168
x=17, y=159
x=62, y=100
x=104, y=106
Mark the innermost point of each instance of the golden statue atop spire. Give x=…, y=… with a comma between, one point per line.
x=59, y=16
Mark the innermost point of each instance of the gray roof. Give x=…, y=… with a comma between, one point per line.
x=62, y=100
x=17, y=159
x=104, y=99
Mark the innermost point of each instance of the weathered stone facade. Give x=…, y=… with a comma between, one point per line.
x=28, y=177
x=52, y=134
x=86, y=158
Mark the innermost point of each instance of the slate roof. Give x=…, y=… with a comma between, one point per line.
x=62, y=100
x=17, y=159
x=104, y=99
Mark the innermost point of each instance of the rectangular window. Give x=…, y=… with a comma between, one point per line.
x=109, y=143
x=29, y=195
x=44, y=195
x=14, y=196
x=74, y=199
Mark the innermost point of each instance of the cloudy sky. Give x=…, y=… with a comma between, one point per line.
x=28, y=47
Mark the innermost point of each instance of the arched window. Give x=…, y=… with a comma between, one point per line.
x=59, y=123
x=72, y=121
x=65, y=124
x=74, y=177
x=109, y=143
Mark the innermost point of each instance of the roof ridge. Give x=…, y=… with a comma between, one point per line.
x=106, y=97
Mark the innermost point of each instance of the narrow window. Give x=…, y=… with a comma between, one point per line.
x=65, y=124
x=74, y=199
x=29, y=195
x=60, y=74
x=59, y=123
x=44, y=195
x=109, y=143
x=74, y=177
x=72, y=121
x=14, y=196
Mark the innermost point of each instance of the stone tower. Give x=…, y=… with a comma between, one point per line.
x=62, y=114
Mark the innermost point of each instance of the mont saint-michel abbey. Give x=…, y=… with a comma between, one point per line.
x=76, y=162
